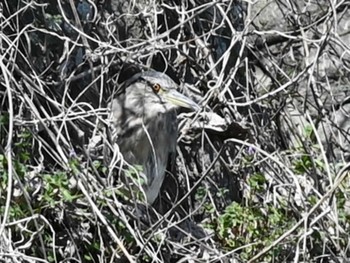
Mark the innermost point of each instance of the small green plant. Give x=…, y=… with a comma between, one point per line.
x=303, y=164
x=57, y=189
x=257, y=182
x=251, y=228
x=135, y=180
x=135, y=173
x=253, y=225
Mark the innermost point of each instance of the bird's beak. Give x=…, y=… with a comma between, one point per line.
x=180, y=100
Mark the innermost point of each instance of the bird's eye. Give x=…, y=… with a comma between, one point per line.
x=156, y=88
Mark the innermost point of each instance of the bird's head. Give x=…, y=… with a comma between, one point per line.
x=156, y=92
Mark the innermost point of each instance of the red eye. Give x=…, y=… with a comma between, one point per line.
x=156, y=88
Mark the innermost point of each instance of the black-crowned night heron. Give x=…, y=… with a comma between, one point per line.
x=145, y=122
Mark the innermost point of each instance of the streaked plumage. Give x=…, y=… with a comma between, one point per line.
x=144, y=120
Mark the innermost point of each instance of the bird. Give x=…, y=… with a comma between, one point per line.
x=144, y=122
